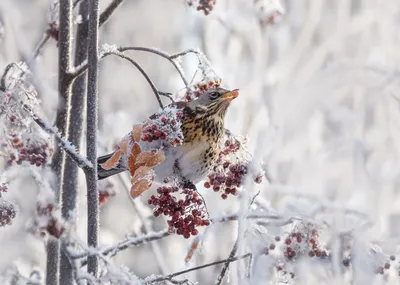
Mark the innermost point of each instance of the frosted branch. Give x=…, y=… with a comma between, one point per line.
x=171, y=276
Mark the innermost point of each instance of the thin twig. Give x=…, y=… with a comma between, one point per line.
x=128, y=242
x=227, y=262
x=163, y=54
x=40, y=45
x=82, y=68
x=170, y=276
x=235, y=246
x=63, y=143
x=152, y=85
x=106, y=14
x=134, y=241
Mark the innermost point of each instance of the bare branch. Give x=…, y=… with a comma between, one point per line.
x=91, y=139
x=227, y=262
x=64, y=88
x=106, y=14
x=152, y=85
x=134, y=241
x=81, y=69
x=63, y=143
x=163, y=54
x=40, y=45
x=74, y=135
x=171, y=276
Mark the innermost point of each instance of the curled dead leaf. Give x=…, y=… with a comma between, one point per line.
x=139, y=187
x=135, y=151
x=143, y=172
x=124, y=145
x=137, y=132
x=112, y=161
x=150, y=159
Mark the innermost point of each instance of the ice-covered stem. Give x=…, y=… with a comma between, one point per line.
x=170, y=57
x=134, y=241
x=236, y=245
x=64, y=84
x=127, y=243
x=91, y=143
x=64, y=144
x=227, y=262
x=75, y=126
x=171, y=276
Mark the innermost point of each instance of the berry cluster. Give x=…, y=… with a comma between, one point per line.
x=7, y=213
x=166, y=126
x=34, y=153
x=200, y=88
x=185, y=214
x=203, y=5
x=228, y=177
x=227, y=181
x=294, y=243
x=231, y=146
x=47, y=221
x=386, y=266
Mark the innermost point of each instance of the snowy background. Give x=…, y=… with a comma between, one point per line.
x=319, y=101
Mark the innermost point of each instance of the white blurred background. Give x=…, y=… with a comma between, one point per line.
x=319, y=101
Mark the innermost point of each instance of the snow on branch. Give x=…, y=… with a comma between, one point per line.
x=18, y=94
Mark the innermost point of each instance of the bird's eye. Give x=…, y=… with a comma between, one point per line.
x=214, y=95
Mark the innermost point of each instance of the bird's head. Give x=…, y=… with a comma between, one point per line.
x=215, y=101
x=216, y=96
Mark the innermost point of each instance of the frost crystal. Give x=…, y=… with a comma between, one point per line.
x=106, y=48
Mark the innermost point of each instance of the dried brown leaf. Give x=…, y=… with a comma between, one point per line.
x=135, y=151
x=150, y=159
x=112, y=161
x=139, y=187
x=137, y=132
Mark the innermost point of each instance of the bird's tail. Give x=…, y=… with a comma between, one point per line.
x=104, y=173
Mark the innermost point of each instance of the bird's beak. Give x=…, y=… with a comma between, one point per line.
x=230, y=95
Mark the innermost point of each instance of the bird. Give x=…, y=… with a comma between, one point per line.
x=202, y=126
